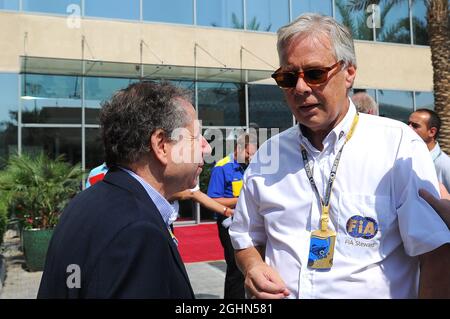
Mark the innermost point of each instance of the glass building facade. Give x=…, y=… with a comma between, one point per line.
x=401, y=21
x=52, y=112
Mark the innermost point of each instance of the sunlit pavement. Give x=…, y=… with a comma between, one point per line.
x=207, y=278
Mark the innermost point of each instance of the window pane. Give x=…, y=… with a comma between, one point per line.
x=424, y=100
x=53, y=141
x=99, y=90
x=119, y=9
x=173, y=11
x=94, y=148
x=268, y=108
x=395, y=104
x=419, y=23
x=220, y=13
x=49, y=6
x=267, y=15
x=394, y=25
x=9, y=4
x=353, y=15
x=371, y=92
x=316, y=6
x=51, y=99
x=221, y=104
x=8, y=115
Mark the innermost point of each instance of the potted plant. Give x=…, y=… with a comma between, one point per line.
x=37, y=189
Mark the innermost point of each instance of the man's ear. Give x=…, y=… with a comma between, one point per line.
x=350, y=74
x=160, y=145
x=432, y=132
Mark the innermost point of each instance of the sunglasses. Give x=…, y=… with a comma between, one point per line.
x=312, y=77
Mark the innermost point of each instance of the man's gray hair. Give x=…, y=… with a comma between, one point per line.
x=365, y=103
x=315, y=25
x=133, y=114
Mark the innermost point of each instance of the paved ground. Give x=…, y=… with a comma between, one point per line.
x=207, y=278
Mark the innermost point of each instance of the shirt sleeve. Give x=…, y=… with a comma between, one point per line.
x=216, y=186
x=421, y=228
x=445, y=173
x=247, y=229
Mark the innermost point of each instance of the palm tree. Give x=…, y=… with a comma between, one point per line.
x=438, y=32
x=439, y=38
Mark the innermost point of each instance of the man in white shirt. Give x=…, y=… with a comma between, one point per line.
x=299, y=235
x=427, y=124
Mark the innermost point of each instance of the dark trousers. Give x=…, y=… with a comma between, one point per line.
x=234, y=280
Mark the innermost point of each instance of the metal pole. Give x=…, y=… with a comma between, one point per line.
x=197, y=212
x=83, y=118
x=194, y=9
x=333, y=9
x=411, y=33
x=246, y=100
x=290, y=10
x=19, y=115
x=244, y=11
x=141, y=45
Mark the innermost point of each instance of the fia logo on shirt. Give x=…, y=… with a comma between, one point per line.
x=362, y=227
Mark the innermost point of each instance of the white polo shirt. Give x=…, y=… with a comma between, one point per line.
x=381, y=169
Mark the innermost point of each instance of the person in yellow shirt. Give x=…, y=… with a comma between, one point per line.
x=224, y=187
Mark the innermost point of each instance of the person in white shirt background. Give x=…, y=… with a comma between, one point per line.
x=364, y=103
x=427, y=124
x=297, y=234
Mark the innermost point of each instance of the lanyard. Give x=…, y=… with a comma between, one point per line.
x=325, y=202
x=175, y=240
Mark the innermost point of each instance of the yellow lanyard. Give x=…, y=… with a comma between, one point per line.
x=325, y=203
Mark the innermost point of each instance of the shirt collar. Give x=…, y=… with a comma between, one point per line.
x=236, y=165
x=436, y=151
x=166, y=210
x=336, y=137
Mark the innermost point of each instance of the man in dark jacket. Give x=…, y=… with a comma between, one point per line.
x=114, y=239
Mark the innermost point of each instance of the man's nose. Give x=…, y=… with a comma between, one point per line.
x=302, y=86
x=206, y=148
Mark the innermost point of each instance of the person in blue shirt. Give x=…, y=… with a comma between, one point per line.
x=224, y=186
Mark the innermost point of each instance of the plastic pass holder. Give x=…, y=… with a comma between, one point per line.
x=321, y=249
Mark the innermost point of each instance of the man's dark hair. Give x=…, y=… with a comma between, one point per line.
x=434, y=120
x=131, y=116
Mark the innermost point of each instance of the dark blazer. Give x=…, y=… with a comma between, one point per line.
x=116, y=235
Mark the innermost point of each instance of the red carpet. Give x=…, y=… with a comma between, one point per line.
x=199, y=243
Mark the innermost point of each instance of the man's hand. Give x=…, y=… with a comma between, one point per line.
x=228, y=212
x=183, y=195
x=263, y=282
x=441, y=206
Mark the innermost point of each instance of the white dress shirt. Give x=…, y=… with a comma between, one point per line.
x=381, y=169
x=442, y=165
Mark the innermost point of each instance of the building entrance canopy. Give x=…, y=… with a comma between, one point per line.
x=95, y=68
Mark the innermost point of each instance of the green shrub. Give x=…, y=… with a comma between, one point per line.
x=205, y=176
x=3, y=217
x=38, y=188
